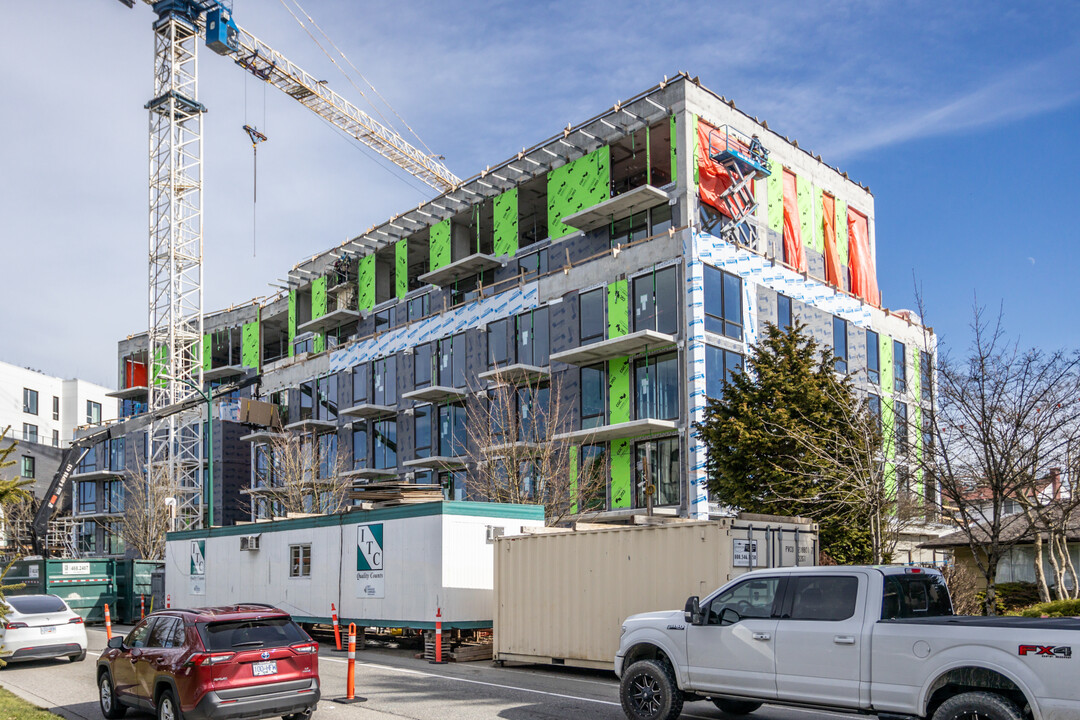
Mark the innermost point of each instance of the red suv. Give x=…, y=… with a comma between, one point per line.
x=244, y=661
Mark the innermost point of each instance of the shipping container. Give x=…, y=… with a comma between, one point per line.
x=390, y=567
x=562, y=596
x=134, y=591
x=85, y=585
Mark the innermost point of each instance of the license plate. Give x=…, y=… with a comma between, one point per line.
x=264, y=668
x=48, y=630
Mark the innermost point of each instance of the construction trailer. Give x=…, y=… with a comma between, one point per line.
x=389, y=567
x=562, y=596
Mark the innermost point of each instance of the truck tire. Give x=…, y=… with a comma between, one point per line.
x=648, y=691
x=977, y=706
x=735, y=707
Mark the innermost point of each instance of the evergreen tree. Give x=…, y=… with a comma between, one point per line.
x=757, y=436
x=12, y=491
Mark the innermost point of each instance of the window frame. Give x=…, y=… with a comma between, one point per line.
x=423, y=414
x=498, y=342
x=722, y=324
x=384, y=444
x=873, y=357
x=526, y=351
x=653, y=316
x=650, y=406
x=840, y=364
x=93, y=408
x=30, y=432
x=899, y=367
x=792, y=584
x=30, y=401
x=422, y=352
x=600, y=295
x=902, y=443
x=727, y=368
x=300, y=560
x=28, y=467
x=587, y=421
x=783, y=323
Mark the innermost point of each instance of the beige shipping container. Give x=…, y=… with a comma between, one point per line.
x=561, y=597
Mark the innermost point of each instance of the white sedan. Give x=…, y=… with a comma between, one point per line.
x=41, y=626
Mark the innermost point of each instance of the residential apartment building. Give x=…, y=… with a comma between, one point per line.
x=607, y=268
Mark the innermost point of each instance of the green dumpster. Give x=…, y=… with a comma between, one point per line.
x=134, y=589
x=85, y=585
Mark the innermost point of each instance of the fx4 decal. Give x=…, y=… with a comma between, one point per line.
x=1061, y=651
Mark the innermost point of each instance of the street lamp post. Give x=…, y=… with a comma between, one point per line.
x=209, y=450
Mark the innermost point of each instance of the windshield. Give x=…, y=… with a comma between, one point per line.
x=915, y=596
x=33, y=604
x=241, y=634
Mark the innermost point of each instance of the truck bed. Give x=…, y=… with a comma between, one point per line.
x=1069, y=623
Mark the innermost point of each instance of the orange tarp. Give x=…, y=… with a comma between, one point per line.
x=793, y=248
x=832, y=259
x=863, y=274
x=713, y=178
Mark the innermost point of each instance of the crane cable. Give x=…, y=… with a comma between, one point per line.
x=357, y=71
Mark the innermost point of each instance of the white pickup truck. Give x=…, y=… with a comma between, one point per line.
x=871, y=640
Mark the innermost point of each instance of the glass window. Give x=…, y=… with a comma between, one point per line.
x=901, y=429
x=498, y=348
x=452, y=361
x=307, y=393
x=419, y=307
x=656, y=302
x=532, y=337
x=326, y=389
x=591, y=315
x=29, y=467
x=385, y=435
x=452, y=430
x=386, y=319
x=162, y=632
x=56, y=438
x=629, y=229
x=89, y=460
x=658, y=467
x=534, y=265
x=915, y=595
x=137, y=637
x=55, y=408
x=384, y=381
x=927, y=430
x=873, y=361
x=359, y=384
x=36, y=604
x=249, y=634
x=359, y=445
x=113, y=495
x=328, y=460
x=839, y=340
x=659, y=219
x=114, y=539
x=299, y=561
x=86, y=497
x=873, y=404
x=899, y=366
x=926, y=373
x=453, y=484
x=723, y=303
x=753, y=598
x=117, y=459
x=422, y=364
x=532, y=413
x=656, y=381
x=593, y=477
x=593, y=396
x=828, y=598
x=86, y=539
x=30, y=401
x=720, y=365
x=783, y=312
x=29, y=433
x=93, y=412
x=422, y=430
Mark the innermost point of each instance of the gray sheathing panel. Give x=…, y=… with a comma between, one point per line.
x=476, y=356
x=766, y=307
x=232, y=473
x=815, y=263
x=818, y=324
x=856, y=343
x=405, y=438
x=607, y=269
x=561, y=316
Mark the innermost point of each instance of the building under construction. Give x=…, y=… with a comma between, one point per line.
x=619, y=269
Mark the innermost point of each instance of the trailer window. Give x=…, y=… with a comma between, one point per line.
x=915, y=596
x=264, y=632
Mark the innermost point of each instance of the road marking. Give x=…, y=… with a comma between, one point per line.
x=474, y=682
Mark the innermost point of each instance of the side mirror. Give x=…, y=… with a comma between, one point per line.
x=116, y=643
x=729, y=616
x=692, y=611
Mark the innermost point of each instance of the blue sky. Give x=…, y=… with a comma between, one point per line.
x=962, y=118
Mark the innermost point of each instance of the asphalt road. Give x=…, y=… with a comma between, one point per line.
x=395, y=685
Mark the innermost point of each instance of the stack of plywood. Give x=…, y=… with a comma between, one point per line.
x=389, y=494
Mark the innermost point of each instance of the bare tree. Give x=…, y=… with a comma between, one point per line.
x=517, y=457
x=1004, y=417
x=1049, y=505
x=149, y=509
x=301, y=474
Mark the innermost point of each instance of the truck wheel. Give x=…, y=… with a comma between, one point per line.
x=648, y=691
x=977, y=706
x=735, y=707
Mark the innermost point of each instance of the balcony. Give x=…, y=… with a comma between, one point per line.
x=618, y=431
x=222, y=373
x=516, y=374
x=519, y=449
x=369, y=411
x=459, y=269
x=436, y=394
x=96, y=475
x=618, y=207
x=437, y=462
x=330, y=321
x=310, y=425
x=370, y=474
x=632, y=344
x=131, y=393
x=263, y=435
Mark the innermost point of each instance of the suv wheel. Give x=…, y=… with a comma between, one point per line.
x=977, y=706
x=167, y=707
x=111, y=708
x=735, y=707
x=648, y=691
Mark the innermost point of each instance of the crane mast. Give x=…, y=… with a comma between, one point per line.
x=175, y=441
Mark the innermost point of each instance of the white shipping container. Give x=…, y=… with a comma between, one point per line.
x=562, y=597
x=390, y=567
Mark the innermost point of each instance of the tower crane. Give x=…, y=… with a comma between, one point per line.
x=176, y=199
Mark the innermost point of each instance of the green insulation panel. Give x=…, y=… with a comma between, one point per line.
x=916, y=391
x=506, y=223
x=618, y=309
x=365, y=280
x=776, y=196
x=621, y=465
x=818, y=224
x=694, y=155
x=250, y=345
x=207, y=352
x=805, y=191
x=890, y=478
x=318, y=297
x=573, y=479
x=158, y=369
x=439, y=245
x=619, y=390
x=841, y=231
x=575, y=186
x=888, y=428
x=674, y=154
x=401, y=268
x=886, y=362
x=292, y=320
